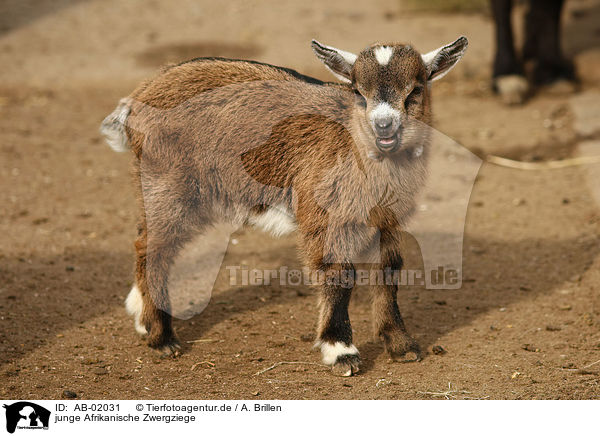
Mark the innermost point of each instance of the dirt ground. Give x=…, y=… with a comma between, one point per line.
x=523, y=326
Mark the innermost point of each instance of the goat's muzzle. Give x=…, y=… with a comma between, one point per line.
x=388, y=144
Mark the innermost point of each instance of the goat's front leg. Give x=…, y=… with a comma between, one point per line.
x=388, y=323
x=334, y=335
x=336, y=280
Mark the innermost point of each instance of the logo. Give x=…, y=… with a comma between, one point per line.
x=26, y=415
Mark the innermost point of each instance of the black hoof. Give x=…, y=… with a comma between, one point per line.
x=346, y=365
x=172, y=349
x=167, y=346
x=403, y=345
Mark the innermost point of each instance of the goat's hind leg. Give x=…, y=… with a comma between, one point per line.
x=148, y=301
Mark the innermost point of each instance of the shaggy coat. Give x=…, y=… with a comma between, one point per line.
x=249, y=143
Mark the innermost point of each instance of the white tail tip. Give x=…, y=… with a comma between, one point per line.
x=113, y=127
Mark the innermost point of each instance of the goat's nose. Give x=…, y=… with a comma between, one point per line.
x=384, y=123
x=383, y=126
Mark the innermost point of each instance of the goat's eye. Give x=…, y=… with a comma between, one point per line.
x=414, y=97
x=360, y=100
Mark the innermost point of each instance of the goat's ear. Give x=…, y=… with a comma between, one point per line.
x=442, y=60
x=339, y=62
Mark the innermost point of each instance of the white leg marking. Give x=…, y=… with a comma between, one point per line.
x=332, y=352
x=134, y=306
x=383, y=54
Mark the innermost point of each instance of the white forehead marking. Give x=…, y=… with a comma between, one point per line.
x=383, y=54
x=383, y=110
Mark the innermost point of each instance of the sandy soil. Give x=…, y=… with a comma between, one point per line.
x=523, y=323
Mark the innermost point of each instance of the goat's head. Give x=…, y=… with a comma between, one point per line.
x=391, y=83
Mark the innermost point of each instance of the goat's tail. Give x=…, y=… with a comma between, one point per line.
x=113, y=126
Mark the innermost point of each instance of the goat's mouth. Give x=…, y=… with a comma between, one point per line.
x=387, y=144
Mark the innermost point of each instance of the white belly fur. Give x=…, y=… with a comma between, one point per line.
x=277, y=220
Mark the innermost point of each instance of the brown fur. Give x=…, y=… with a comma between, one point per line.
x=219, y=140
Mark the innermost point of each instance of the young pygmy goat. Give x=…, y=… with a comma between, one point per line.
x=245, y=142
